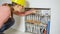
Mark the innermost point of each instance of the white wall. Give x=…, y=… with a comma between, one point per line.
x=55, y=11
x=55, y=17
x=39, y=3
x=4, y=1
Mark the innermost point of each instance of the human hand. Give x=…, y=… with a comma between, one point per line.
x=33, y=10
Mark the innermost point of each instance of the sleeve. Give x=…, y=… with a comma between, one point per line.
x=4, y=14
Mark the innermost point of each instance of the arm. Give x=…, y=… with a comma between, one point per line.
x=25, y=13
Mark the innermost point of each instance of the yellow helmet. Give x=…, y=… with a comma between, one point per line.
x=19, y=2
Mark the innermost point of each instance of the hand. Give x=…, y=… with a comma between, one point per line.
x=33, y=10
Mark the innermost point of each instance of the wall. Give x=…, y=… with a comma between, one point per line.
x=55, y=11
x=55, y=6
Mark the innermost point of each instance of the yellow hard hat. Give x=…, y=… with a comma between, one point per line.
x=19, y=2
